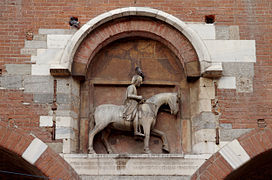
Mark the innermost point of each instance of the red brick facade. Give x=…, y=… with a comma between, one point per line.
x=19, y=114
x=253, y=18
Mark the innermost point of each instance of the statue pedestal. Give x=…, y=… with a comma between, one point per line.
x=135, y=164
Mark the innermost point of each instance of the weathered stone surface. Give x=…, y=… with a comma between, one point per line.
x=62, y=121
x=57, y=147
x=35, y=44
x=46, y=121
x=43, y=98
x=78, y=69
x=11, y=82
x=64, y=107
x=238, y=69
x=69, y=145
x=206, y=92
x=32, y=52
x=208, y=147
x=227, y=32
x=47, y=56
x=232, y=50
x=204, y=105
x=205, y=31
x=40, y=70
x=65, y=113
x=34, y=151
x=227, y=83
x=64, y=85
x=234, y=32
x=39, y=84
x=57, y=41
x=84, y=177
x=206, y=82
x=18, y=69
x=205, y=120
x=226, y=125
x=65, y=132
x=63, y=98
x=133, y=165
x=204, y=135
x=234, y=154
x=244, y=84
x=222, y=32
x=186, y=135
x=56, y=31
x=75, y=87
x=231, y=134
x=193, y=69
x=40, y=37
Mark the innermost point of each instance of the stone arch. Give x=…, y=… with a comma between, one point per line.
x=131, y=27
x=235, y=154
x=65, y=65
x=32, y=152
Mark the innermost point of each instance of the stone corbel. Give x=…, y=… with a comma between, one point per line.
x=59, y=70
x=211, y=69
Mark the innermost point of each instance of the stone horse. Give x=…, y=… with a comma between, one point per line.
x=111, y=116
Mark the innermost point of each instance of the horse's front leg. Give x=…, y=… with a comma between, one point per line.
x=146, y=127
x=165, y=145
x=105, y=136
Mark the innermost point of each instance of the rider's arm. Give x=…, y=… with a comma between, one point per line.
x=131, y=95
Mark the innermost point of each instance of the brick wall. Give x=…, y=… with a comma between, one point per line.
x=238, y=110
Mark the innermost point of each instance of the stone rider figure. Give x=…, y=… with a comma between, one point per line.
x=132, y=101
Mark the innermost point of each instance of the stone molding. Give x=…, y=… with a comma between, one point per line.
x=135, y=164
x=200, y=47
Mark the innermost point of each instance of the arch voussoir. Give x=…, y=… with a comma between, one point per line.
x=235, y=154
x=35, y=152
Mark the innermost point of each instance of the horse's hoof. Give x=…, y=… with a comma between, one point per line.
x=165, y=149
x=147, y=151
x=139, y=134
x=91, y=151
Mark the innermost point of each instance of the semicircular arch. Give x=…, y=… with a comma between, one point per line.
x=72, y=46
x=32, y=152
x=235, y=155
x=144, y=28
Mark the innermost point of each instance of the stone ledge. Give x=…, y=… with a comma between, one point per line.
x=134, y=164
x=135, y=177
x=59, y=71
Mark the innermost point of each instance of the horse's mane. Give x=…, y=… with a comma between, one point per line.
x=153, y=98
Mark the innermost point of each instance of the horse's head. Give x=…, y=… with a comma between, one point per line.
x=174, y=103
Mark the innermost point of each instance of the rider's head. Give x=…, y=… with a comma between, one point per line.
x=137, y=80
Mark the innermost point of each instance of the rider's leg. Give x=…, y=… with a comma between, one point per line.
x=136, y=126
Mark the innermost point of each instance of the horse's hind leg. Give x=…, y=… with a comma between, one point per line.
x=146, y=127
x=97, y=129
x=105, y=136
x=165, y=145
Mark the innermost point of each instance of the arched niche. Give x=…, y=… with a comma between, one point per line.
x=64, y=67
x=106, y=63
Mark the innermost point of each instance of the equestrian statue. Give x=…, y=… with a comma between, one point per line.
x=135, y=115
